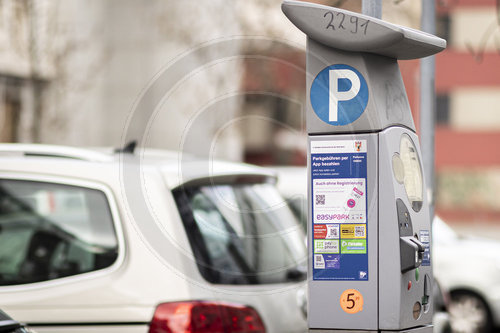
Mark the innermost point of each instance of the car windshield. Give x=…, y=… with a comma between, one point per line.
x=243, y=234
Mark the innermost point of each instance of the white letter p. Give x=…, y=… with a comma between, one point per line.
x=337, y=96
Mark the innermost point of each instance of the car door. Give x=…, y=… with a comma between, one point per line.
x=61, y=243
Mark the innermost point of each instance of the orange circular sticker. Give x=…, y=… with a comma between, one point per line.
x=351, y=301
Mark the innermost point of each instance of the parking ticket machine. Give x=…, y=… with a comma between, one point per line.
x=369, y=225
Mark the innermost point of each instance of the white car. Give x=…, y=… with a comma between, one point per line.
x=470, y=269
x=146, y=242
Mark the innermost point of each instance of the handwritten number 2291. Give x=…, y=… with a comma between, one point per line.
x=355, y=25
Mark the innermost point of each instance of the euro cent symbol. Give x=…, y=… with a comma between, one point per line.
x=336, y=95
x=339, y=95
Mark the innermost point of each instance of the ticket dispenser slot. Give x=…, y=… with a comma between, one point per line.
x=369, y=234
x=410, y=248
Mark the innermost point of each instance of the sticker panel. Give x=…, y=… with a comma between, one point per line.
x=353, y=231
x=339, y=210
x=425, y=238
x=326, y=246
x=326, y=231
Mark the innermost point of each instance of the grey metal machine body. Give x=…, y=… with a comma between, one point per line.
x=368, y=221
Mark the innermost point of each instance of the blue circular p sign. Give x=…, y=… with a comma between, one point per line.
x=339, y=95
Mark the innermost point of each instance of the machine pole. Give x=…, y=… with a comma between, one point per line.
x=427, y=103
x=372, y=8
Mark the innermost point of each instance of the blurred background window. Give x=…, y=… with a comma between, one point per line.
x=10, y=108
x=442, y=109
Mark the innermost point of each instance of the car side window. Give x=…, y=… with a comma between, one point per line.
x=242, y=234
x=49, y=231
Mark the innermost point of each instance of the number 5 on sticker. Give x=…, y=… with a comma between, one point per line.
x=351, y=301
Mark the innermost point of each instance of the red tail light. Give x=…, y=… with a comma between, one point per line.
x=205, y=317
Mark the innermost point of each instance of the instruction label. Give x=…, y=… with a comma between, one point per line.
x=339, y=210
x=425, y=238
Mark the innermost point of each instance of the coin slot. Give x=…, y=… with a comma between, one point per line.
x=417, y=310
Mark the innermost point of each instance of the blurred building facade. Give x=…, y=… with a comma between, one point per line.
x=25, y=67
x=467, y=99
x=73, y=71
x=468, y=111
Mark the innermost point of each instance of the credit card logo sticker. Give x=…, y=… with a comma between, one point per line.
x=339, y=95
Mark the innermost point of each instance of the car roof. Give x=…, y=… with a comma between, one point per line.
x=177, y=168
